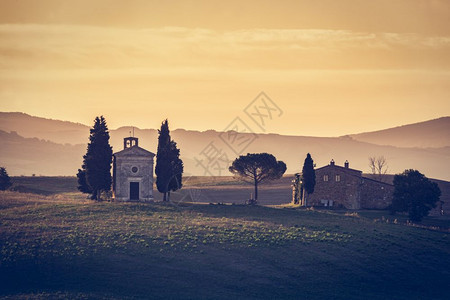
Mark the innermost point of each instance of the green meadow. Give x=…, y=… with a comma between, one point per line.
x=64, y=246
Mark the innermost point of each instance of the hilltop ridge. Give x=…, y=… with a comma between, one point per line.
x=428, y=134
x=26, y=149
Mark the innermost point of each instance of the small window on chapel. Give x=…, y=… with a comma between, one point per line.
x=338, y=178
x=134, y=169
x=325, y=177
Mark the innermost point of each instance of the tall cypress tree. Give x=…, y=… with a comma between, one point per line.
x=308, y=177
x=162, y=169
x=169, y=167
x=96, y=168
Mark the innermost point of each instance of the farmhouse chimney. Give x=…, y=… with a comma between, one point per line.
x=130, y=142
x=346, y=164
x=332, y=162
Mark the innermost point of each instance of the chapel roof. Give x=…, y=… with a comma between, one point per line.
x=134, y=151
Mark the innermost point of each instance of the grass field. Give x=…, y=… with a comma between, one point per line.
x=45, y=185
x=63, y=246
x=195, y=189
x=199, y=189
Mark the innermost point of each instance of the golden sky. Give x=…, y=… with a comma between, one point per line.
x=332, y=67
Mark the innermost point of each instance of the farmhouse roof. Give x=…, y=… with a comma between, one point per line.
x=332, y=165
x=353, y=172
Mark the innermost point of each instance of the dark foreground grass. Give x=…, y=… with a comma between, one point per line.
x=69, y=249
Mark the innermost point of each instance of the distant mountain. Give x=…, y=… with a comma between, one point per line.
x=47, y=129
x=204, y=153
x=429, y=134
x=26, y=156
x=293, y=149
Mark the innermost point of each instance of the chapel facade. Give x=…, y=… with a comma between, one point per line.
x=133, y=172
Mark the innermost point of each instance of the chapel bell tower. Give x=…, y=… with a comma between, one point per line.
x=129, y=142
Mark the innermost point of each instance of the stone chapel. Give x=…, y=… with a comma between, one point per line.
x=133, y=172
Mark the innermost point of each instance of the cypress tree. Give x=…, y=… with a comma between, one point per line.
x=162, y=169
x=95, y=175
x=308, y=177
x=169, y=166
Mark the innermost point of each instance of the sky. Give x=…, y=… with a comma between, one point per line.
x=329, y=67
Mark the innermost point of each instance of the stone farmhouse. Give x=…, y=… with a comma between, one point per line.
x=344, y=187
x=133, y=172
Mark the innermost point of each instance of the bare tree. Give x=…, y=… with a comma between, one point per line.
x=372, y=165
x=378, y=166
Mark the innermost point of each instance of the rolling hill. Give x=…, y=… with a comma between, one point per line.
x=429, y=134
x=26, y=156
x=61, y=132
x=57, y=147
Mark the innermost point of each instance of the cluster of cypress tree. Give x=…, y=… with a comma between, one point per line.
x=169, y=166
x=94, y=176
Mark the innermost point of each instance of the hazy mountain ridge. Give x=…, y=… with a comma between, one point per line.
x=22, y=154
x=432, y=134
x=62, y=132
x=26, y=156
